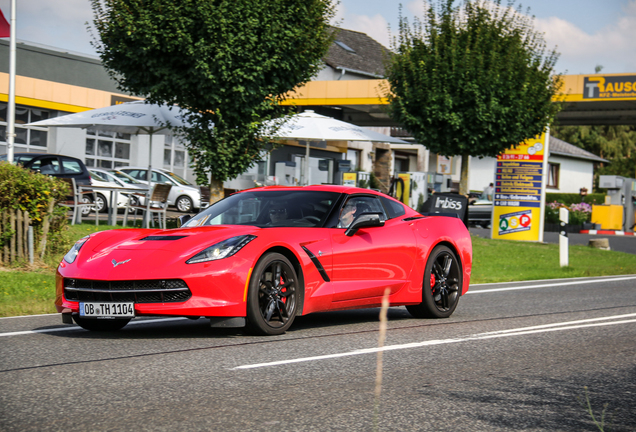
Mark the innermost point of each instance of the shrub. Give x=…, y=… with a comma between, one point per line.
x=579, y=212
x=23, y=189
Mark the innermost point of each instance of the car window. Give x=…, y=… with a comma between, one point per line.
x=266, y=209
x=160, y=178
x=71, y=166
x=395, y=209
x=98, y=176
x=125, y=177
x=111, y=178
x=138, y=174
x=47, y=165
x=19, y=159
x=356, y=205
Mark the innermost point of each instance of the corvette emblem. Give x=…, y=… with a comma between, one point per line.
x=115, y=263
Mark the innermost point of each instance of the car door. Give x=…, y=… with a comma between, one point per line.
x=371, y=260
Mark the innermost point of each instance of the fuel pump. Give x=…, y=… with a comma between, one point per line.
x=621, y=191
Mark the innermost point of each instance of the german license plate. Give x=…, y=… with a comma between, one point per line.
x=107, y=310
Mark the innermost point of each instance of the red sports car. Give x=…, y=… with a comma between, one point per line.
x=260, y=257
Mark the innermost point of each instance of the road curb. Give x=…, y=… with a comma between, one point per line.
x=606, y=232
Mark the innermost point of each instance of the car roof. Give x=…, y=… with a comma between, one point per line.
x=324, y=188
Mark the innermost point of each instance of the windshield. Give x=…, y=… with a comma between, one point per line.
x=21, y=159
x=274, y=208
x=178, y=179
x=97, y=176
x=125, y=177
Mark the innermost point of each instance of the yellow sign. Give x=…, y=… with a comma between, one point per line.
x=403, y=188
x=609, y=87
x=519, y=189
x=349, y=178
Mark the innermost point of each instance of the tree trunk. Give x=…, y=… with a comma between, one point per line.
x=463, y=180
x=216, y=191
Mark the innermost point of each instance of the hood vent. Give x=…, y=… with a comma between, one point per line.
x=163, y=238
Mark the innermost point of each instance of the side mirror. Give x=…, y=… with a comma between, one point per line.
x=183, y=219
x=365, y=220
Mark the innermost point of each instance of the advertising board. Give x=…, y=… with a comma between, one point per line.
x=519, y=198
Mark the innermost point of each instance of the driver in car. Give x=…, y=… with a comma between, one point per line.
x=347, y=214
x=277, y=213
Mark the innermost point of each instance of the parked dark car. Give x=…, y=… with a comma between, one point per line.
x=54, y=165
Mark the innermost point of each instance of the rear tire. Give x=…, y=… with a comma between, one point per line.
x=101, y=205
x=442, y=285
x=100, y=324
x=272, y=299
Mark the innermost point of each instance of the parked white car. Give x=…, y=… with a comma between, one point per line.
x=102, y=197
x=122, y=180
x=184, y=195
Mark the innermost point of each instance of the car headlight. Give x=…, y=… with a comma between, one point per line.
x=72, y=254
x=221, y=250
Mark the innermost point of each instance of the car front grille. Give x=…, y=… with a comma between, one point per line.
x=138, y=291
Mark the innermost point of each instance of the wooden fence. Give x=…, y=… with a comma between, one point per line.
x=18, y=235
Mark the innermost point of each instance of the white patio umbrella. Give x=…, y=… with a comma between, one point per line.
x=131, y=118
x=310, y=126
x=315, y=127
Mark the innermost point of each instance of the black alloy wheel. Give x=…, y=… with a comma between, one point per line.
x=441, y=287
x=273, y=295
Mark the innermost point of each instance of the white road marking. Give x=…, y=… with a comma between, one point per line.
x=559, y=284
x=75, y=327
x=569, y=325
x=521, y=287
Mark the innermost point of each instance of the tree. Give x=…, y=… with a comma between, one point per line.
x=228, y=62
x=616, y=143
x=473, y=80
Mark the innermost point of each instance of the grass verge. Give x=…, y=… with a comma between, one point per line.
x=33, y=292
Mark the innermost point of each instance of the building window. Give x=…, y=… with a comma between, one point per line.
x=553, y=175
x=106, y=149
x=28, y=138
x=175, y=156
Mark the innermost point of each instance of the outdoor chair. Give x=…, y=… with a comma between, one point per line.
x=205, y=197
x=80, y=201
x=155, y=204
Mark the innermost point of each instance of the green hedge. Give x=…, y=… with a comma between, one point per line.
x=23, y=189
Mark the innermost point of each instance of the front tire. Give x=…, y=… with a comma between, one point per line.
x=100, y=324
x=272, y=299
x=184, y=204
x=442, y=285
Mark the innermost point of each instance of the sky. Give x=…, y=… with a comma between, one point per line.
x=586, y=33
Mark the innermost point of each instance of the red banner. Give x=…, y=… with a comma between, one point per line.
x=5, y=29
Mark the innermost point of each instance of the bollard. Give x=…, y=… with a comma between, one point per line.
x=30, y=244
x=564, y=216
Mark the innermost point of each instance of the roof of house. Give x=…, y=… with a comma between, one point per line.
x=561, y=148
x=356, y=52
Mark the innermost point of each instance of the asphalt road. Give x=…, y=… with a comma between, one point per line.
x=617, y=243
x=514, y=356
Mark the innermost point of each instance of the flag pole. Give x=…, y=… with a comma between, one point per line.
x=11, y=109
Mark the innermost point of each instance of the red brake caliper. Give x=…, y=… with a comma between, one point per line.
x=283, y=290
x=432, y=281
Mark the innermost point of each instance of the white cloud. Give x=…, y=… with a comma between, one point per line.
x=59, y=23
x=417, y=7
x=376, y=27
x=612, y=47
